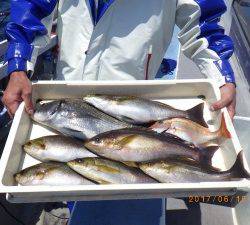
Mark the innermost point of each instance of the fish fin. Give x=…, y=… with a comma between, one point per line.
x=223, y=131
x=208, y=144
x=133, y=122
x=108, y=169
x=196, y=114
x=131, y=164
x=73, y=133
x=126, y=119
x=179, y=140
x=101, y=181
x=238, y=170
x=121, y=143
x=207, y=155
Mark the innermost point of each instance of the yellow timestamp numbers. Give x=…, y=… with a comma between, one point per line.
x=219, y=199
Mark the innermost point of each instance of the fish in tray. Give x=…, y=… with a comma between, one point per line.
x=56, y=148
x=50, y=173
x=192, y=132
x=74, y=117
x=140, y=145
x=105, y=171
x=141, y=111
x=173, y=171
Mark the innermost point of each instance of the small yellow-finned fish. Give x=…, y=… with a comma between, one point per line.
x=104, y=171
x=56, y=148
x=176, y=171
x=141, y=145
x=50, y=173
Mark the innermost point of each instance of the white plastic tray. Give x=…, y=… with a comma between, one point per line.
x=241, y=211
x=182, y=94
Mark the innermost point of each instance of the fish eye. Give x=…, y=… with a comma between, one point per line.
x=98, y=140
x=29, y=143
x=39, y=101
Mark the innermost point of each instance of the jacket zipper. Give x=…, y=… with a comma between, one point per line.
x=149, y=56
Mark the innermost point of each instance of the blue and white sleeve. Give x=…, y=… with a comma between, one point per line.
x=203, y=39
x=30, y=20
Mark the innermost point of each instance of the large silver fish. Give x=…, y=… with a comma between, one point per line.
x=75, y=118
x=51, y=173
x=137, y=110
x=56, y=148
x=192, y=132
x=105, y=171
x=140, y=145
x=173, y=171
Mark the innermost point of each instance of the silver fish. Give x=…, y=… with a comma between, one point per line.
x=56, y=148
x=75, y=118
x=104, y=171
x=138, y=111
x=174, y=171
x=140, y=145
x=50, y=173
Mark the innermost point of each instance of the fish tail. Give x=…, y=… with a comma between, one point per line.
x=206, y=155
x=223, y=131
x=196, y=114
x=238, y=170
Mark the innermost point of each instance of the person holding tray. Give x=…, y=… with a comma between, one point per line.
x=116, y=40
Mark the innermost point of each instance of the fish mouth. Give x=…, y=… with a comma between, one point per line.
x=89, y=145
x=27, y=145
x=25, y=148
x=29, y=149
x=90, y=96
x=17, y=177
x=75, y=162
x=37, y=144
x=42, y=102
x=71, y=163
x=160, y=129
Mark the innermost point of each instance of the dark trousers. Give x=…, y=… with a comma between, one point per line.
x=119, y=212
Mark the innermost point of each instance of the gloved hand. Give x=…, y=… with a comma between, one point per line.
x=19, y=89
x=228, y=99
